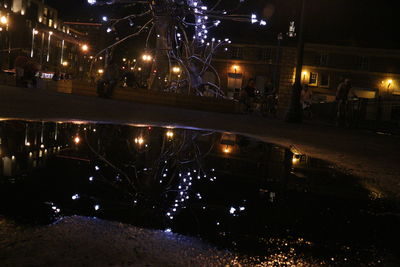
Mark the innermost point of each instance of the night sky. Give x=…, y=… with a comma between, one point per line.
x=367, y=23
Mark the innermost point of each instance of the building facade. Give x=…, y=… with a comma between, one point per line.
x=34, y=28
x=374, y=72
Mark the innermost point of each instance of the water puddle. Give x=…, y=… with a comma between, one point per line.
x=269, y=204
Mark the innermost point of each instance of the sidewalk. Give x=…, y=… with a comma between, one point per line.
x=374, y=157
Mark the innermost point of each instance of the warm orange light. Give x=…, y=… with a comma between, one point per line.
x=85, y=48
x=147, y=57
x=227, y=149
x=77, y=140
x=170, y=134
x=65, y=63
x=139, y=141
x=176, y=70
x=236, y=68
x=100, y=71
x=4, y=20
x=296, y=159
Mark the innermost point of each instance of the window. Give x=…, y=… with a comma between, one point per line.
x=323, y=60
x=363, y=63
x=313, y=79
x=50, y=23
x=324, y=80
x=236, y=52
x=266, y=55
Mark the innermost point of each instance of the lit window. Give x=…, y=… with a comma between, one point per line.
x=313, y=79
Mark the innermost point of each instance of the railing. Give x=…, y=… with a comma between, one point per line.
x=374, y=114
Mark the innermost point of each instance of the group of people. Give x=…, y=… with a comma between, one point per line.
x=344, y=90
x=26, y=71
x=252, y=99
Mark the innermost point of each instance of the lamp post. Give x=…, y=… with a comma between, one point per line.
x=294, y=114
x=48, y=47
x=34, y=32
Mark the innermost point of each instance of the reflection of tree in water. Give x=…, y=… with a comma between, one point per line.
x=156, y=168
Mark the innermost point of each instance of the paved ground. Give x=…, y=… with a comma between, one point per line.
x=374, y=157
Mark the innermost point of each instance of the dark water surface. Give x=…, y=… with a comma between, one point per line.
x=238, y=193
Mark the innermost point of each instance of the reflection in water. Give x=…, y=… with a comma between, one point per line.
x=268, y=202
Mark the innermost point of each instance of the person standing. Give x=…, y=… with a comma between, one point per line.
x=342, y=96
x=19, y=65
x=248, y=95
x=306, y=99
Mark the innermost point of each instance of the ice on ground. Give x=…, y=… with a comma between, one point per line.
x=83, y=241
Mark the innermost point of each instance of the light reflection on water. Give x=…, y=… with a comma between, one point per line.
x=274, y=205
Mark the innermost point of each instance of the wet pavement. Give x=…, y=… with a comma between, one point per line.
x=265, y=203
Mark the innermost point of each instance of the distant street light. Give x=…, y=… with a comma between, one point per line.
x=85, y=48
x=4, y=20
x=147, y=57
x=176, y=70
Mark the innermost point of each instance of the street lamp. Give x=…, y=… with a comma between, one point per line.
x=85, y=48
x=147, y=57
x=294, y=114
x=48, y=46
x=176, y=70
x=34, y=32
x=4, y=20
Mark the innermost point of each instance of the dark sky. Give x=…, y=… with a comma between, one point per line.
x=368, y=23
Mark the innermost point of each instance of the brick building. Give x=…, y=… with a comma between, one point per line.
x=374, y=72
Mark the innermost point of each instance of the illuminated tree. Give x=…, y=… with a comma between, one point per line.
x=183, y=42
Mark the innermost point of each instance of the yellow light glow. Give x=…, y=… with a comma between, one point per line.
x=139, y=141
x=236, y=68
x=296, y=159
x=139, y=69
x=51, y=33
x=35, y=31
x=100, y=71
x=28, y=144
x=170, y=134
x=85, y=48
x=4, y=20
x=227, y=149
x=77, y=140
x=390, y=81
x=124, y=59
x=147, y=57
x=176, y=69
x=65, y=63
x=305, y=73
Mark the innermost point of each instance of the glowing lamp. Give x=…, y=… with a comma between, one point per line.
x=227, y=150
x=100, y=71
x=176, y=70
x=139, y=141
x=77, y=140
x=85, y=48
x=3, y=20
x=170, y=134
